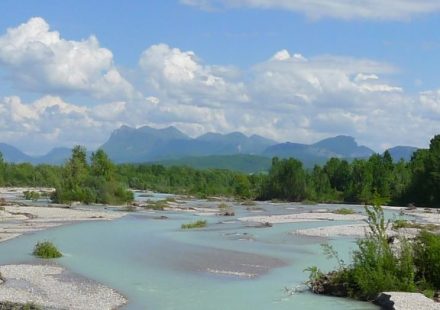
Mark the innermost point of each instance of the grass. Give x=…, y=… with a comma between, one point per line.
x=223, y=206
x=400, y=223
x=198, y=224
x=46, y=249
x=344, y=211
x=248, y=203
x=158, y=205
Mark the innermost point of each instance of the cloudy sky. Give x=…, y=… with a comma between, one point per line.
x=292, y=70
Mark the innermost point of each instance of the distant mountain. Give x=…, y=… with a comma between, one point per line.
x=56, y=156
x=12, y=154
x=234, y=151
x=241, y=162
x=318, y=153
x=402, y=152
x=128, y=144
x=148, y=144
x=236, y=142
x=344, y=146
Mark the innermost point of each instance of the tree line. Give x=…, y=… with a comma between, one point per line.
x=97, y=179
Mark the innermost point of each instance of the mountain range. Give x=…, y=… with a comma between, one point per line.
x=170, y=146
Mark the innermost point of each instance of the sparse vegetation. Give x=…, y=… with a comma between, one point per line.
x=344, y=211
x=31, y=195
x=6, y=305
x=158, y=205
x=401, y=223
x=197, y=224
x=46, y=249
x=223, y=206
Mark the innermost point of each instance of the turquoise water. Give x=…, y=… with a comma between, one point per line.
x=156, y=265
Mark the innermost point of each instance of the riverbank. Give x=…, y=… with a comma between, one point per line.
x=49, y=286
x=55, y=288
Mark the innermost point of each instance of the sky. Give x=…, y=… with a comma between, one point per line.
x=73, y=71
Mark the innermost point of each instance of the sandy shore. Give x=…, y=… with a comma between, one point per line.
x=54, y=287
x=303, y=217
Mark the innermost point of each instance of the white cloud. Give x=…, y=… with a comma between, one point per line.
x=431, y=101
x=288, y=97
x=39, y=59
x=342, y=9
x=181, y=75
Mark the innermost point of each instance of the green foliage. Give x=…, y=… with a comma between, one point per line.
x=46, y=249
x=376, y=267
x=344, y=211
x=197, y=224
x=427, y=258
x=96, y=183
x=286, y=180
x=7, y=305
x=31, y=195
x=359, y=181
x=158, y=205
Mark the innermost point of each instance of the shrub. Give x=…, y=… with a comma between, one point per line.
x=198, y=224
x=376, y=266
x=46, y=249
x=31, y=195
x=427, y=258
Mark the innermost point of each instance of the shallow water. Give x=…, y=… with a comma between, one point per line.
x=224, y=266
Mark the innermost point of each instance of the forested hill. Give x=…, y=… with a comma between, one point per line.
x=97, y=179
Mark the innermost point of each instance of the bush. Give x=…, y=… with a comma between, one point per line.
x=376, y=266
x=198, y=224
x=427, y=258
x=46, y=249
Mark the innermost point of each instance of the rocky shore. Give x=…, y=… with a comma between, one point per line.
x=50, y=287
x=55, y=288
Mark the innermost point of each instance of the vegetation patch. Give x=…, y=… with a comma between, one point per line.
x=129, y=209
x=6, y=305
x=344, y=211
x=380, y=266
x=31, y=195
x=46, y=249
x=197, y=224
x=158, y=205
x=401, y=223
x=248, y=203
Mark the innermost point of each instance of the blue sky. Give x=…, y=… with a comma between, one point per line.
x=287, y=69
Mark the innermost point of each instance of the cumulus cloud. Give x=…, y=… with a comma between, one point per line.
x=431, y=101
x=287, y=97
x=342, y=9
x=50, y=121
x=38, y=59
x=181, y=75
